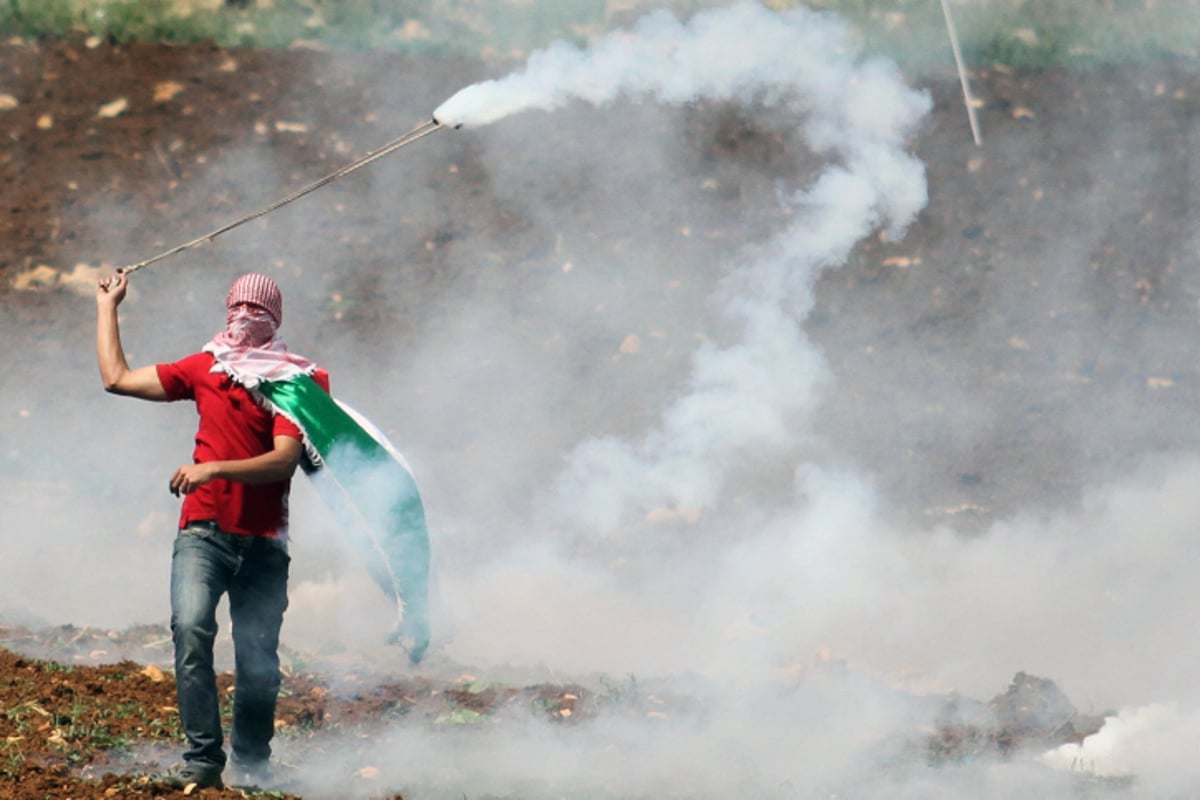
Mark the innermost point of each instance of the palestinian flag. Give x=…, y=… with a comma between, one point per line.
x=371, y=489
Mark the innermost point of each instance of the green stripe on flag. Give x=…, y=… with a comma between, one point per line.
x=382, y=491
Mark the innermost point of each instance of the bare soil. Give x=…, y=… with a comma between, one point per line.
x=69, y=728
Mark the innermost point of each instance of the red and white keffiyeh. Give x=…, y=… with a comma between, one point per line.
x=249, y=349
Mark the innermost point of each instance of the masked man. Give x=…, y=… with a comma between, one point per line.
x=232, y=536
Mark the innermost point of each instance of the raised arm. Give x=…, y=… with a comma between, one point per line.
x=118, y=378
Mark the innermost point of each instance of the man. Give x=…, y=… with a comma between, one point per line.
x=232, y=535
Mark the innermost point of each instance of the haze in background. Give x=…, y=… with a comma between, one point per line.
x=667, y=505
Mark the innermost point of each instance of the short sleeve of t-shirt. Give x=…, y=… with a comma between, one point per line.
x=178, y=378
x=283, y=426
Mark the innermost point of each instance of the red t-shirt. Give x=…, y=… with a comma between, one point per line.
x=232, y=426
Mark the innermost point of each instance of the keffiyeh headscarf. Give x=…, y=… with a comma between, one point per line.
x=249, y=349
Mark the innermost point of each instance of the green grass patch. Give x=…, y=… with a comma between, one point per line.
x=1017, y=33
x=1024, y=34
x=12, y=758
x=1030, y=34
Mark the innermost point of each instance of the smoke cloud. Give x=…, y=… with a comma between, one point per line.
x=617, y=425
x=750, y=395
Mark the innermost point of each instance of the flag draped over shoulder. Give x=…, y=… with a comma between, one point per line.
x=370, y=487
x=352, y=464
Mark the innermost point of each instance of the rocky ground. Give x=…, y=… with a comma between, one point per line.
x=74, y=729
x=68, y=727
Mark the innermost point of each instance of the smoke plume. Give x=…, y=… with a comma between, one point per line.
x=606, y=381
x=749, y=395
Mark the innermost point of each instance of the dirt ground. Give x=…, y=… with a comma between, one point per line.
x=124, y=128
x=70, y=728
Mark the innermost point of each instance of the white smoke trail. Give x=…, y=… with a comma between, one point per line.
x=829, y=569
x=747, y=396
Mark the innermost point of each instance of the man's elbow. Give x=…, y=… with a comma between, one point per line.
x=122, y=388
x=288, y=460
x=132, y=383
x=115, y=379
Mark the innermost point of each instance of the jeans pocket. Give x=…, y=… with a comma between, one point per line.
x=192, y=534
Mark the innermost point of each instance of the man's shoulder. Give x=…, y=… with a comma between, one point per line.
x=193, y=361
x=180, y=378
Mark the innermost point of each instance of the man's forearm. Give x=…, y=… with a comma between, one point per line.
x=274, y=465
x=267, y=468
x=115, y=372
x=109, y=353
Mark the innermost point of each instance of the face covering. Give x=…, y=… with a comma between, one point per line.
x=247, y=326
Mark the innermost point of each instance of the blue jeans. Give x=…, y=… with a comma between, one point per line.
x=206, y=564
